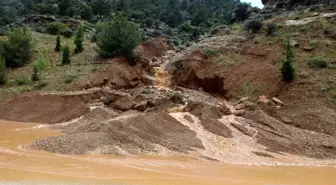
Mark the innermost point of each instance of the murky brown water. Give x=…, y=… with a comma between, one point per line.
x=17, y=164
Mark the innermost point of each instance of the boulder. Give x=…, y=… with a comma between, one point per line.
x=123, y=103
x=264, y=100
x=277, y=101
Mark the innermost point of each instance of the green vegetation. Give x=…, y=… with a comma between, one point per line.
x=317, y=62
x=20, y=80
x=55, y=28
x=79, y=39
x=17, y=50
x=271, y=29
x=40, y=65
x=2, y=71
x=34, y=76
x=210, y=52
x=66, y=56
x=58, y=43
x=253, y=25
x=248, y=89
x=287, y=65
x=119, y=37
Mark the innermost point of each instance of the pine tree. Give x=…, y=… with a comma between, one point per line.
x=287, y=65
x=66, y=56
x=2, y=71
x=40, y=65
x=35, y=76
x=79, y=38
x=58, y=44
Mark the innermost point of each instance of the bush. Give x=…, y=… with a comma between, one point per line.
x=17, y=50
x=253, y=25
x=67, y=32
x=55, y=28
x=20, y=80
x=35, y=76
x=240, y=12
x=66, y=56
x=79, y=39
x=318, y=62
x=2, y=71
x=210, y=52
x=58, y=44
x=119, y=37
x=40, y=65
x=271, y=28
x=287, y=65
x=69, y=79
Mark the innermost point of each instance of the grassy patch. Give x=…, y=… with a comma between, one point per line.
x=317, y=62
x=249, y=90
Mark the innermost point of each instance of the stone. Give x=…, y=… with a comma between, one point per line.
x=142, y=106
x=123, y=103
x=240, y=106
x=308, y=48
x=263, y=100
x=277, y=101
x=239, y=112
x=242, y=100
x=293, y=43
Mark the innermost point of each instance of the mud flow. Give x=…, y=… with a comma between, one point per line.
x=19, y=165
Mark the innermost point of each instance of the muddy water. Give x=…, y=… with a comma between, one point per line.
x=19, y=164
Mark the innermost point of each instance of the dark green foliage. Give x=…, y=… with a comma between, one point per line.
x=58, y=44
x=35, y=76
x=101, y=7
x=67, y=32
x=55, y=28
x=240, y=13
x=20, y=81
x=253, y=25
x=64, y=5
x=86, y=13
x=210, y=52
x=119, y=37
x=18, y=49
x=287, y=66
x=271, y=28
x=66, y=55
x=318, y=62
x=2, y=71
x=79, y=39
x=71, y=11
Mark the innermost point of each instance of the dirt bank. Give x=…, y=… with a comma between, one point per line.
x=37, y=108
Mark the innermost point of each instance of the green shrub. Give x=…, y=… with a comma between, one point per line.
x=67, y=33
x=253, y=25
x=271, y=28
x=55, y=28
x=40, y=65
x=17, y=50
x=20, y=80
x=66, y=56
x=2, y=71
x=318, y=62
x=58, y=44
x=287, y=66
x=69, y=79
x=79, y=39
x=210, y=52
x=119, y=37
x=34, y=76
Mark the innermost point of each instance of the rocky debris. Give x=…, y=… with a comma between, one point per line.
x=292, y=4
x=308, y=48
x=130, y=134
x=264, y=100
x=293, y=43
x=301, y=22
x=277, y=101
x=329, y=15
